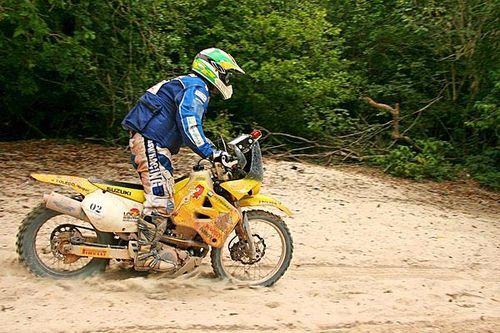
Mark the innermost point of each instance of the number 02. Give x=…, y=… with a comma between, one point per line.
x=95, y=208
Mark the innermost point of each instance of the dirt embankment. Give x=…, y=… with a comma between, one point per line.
x=372, y=254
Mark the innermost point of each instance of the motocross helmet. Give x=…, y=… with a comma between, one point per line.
x=216, y=66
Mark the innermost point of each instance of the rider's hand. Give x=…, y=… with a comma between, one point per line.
x=224, y=157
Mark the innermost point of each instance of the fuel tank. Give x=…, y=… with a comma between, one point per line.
x=198, y=207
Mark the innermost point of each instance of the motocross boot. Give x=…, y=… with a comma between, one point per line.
x=153, y=255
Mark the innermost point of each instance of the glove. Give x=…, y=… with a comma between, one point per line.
x=224, y=157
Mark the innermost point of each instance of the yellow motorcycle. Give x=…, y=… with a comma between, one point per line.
x=69, y=237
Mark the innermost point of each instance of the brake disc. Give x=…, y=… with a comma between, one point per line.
x=239, y=251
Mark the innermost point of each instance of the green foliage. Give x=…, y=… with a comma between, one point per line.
x=74, y=69
x=485, y=168
x=292, y=56
x=431, y=163
x=484, y=117
x=411, y=52
x=77, y=67
x=220, y=126
x=329, y=123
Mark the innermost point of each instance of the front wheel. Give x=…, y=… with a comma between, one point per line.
x=274, y=247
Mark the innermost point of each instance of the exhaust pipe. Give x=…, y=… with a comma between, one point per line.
x=65, y=205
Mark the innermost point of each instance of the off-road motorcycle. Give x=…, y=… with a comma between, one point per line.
x=66, y=237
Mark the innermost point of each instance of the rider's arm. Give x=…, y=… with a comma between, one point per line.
x=192, y=105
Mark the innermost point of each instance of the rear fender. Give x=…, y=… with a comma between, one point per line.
x=262, y=200
x=79, y=184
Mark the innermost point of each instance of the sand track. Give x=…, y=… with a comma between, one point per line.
x=372, y=254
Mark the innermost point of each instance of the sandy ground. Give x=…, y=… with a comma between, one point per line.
x=372, y=254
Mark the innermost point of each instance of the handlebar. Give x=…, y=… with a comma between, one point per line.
x=235, y=160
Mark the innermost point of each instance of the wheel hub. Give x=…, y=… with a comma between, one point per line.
x=61, y=237
x=239, y=250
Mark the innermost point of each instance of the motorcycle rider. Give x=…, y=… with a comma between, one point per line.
x=168, y=114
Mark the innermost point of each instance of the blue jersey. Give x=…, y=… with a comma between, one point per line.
x=171, y=113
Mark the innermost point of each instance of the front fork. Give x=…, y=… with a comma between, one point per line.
x=244, y=233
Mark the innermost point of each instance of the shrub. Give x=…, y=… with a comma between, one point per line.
x=484, y=168
x=431, y=162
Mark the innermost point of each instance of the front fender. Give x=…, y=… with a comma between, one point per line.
x=263, y=200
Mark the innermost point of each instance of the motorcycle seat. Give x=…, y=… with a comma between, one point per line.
x=130, y=191
x=97, y=181
x=127, y=190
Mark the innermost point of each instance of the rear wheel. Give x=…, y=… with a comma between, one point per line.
x=274, y=247
x=41, y=240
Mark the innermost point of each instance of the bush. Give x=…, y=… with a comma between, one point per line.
x=484, y=168
x=431, y=163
